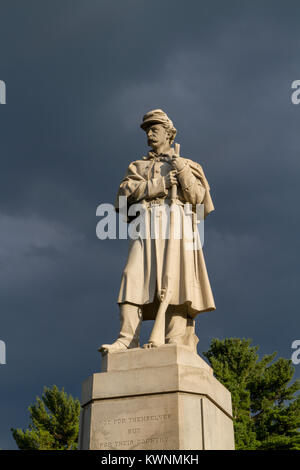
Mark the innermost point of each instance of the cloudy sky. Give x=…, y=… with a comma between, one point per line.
x=79, y=76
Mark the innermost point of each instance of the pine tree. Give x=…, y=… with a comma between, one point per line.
x=54, y=423
x=266, y=407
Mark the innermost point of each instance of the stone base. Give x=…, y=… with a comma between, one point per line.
x=164, y=398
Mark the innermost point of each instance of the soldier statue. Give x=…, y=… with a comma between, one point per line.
x=162, y=279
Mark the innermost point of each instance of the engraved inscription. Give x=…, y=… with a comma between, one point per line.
x=135, y=423
x=135, y=419
x=133, y=443
x=134, y=431
x=129, y=420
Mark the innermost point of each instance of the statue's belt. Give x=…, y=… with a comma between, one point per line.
x=161, y=202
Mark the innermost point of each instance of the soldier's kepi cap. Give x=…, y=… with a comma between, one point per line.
x=156, y=116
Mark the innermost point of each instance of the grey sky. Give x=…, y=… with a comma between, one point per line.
x=80, y=76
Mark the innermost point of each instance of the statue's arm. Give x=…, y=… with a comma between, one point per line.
x=191, y=186
x=136, y=188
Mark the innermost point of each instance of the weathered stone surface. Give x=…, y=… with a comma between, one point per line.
x=166, y=355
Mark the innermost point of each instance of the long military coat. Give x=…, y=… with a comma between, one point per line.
x=142, y=278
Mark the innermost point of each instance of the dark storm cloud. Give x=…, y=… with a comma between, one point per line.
x=79, y=77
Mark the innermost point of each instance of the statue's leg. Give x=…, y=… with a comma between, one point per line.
x=180, y=329
x=175, y=326
x=130, y=325
x=130, y=322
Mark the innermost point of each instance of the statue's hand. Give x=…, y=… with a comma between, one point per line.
x=171, y=179
x=177, y=163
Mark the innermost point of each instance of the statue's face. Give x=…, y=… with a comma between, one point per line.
x=157, y=136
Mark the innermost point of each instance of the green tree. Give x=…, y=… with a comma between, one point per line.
x=54, y=423
x=266, y=406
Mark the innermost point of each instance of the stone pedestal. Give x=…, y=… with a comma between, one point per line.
x=164, y=398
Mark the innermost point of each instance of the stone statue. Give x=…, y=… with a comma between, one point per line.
x=163, y=280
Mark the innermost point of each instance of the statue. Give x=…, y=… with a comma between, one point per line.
x=162, y=280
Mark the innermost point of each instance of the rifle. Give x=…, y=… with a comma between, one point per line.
x=157, y=337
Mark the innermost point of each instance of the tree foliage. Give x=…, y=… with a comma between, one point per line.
x=266, y=406
x=54, y=423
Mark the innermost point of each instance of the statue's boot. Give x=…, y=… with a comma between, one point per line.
x=129, y=337
x=180, y=329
